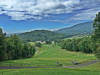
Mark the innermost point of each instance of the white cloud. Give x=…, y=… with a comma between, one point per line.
x=89, y=14
x=54, y=29
x=14, y=8
x=38, y=9
x=56, y=20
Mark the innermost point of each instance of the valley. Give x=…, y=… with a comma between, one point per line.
x=73, y=52
x=49, y=37
x=47, y=56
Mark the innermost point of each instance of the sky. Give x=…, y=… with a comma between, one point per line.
x=18, y=16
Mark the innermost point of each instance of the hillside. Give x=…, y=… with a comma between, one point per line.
x=81, y=28
x=41, y=35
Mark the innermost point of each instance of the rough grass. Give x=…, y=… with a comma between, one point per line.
x=93, y=67
x=49, y=71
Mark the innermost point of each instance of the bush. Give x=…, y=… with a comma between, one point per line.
x=38, y=44
x=48, y=42
x=29, y=56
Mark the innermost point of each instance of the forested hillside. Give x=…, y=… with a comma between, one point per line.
x=81, y=28
x=41, y=35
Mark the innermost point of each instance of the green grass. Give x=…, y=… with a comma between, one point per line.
x=93, y=67
x=48, y=55
x=49, y=71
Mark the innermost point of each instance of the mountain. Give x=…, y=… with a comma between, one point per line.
x=81, y=28
x=41, y=35
x=12, y=34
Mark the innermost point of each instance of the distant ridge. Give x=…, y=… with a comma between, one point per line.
x=41, y=35
x=13, y=34
x=86, y=27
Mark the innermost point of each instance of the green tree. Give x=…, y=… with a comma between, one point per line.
x=96, y=36
x=38, y=44
x=74, y=44
x=48, y=42
x=32, y=50
x=25, y=51
x=3, y=55
x=10, y=48
x=18, y=46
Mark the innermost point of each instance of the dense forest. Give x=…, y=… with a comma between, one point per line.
x=11, y=48
x=41, y=35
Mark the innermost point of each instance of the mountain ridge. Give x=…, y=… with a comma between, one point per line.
x=41, y=35
x=81, y=28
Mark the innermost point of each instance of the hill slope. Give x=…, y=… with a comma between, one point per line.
x=81, y=28
x=41, y=35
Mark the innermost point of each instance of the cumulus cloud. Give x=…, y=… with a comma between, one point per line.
x=89, y=14
x=39, y=9
x=19, y=9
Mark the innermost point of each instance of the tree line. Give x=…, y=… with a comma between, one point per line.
x=11, y=48
x=82, y=44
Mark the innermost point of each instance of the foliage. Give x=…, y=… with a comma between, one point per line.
x=81, y=44
x=48, y=42
x=41, y=35
x=2, y=46
x=38, y=44
x=11, y=48
x=96, y=36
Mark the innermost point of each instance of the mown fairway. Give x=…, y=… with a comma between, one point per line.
x=48, y=55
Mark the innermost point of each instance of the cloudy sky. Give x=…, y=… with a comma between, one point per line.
x=28, y=15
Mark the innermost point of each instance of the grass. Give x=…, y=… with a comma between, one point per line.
x=93, y=67
x=48, y=55
x=49, y=71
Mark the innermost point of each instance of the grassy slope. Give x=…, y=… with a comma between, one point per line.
x=49, y=57
x=53, y=54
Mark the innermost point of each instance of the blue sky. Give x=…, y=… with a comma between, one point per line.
x=28, y=15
